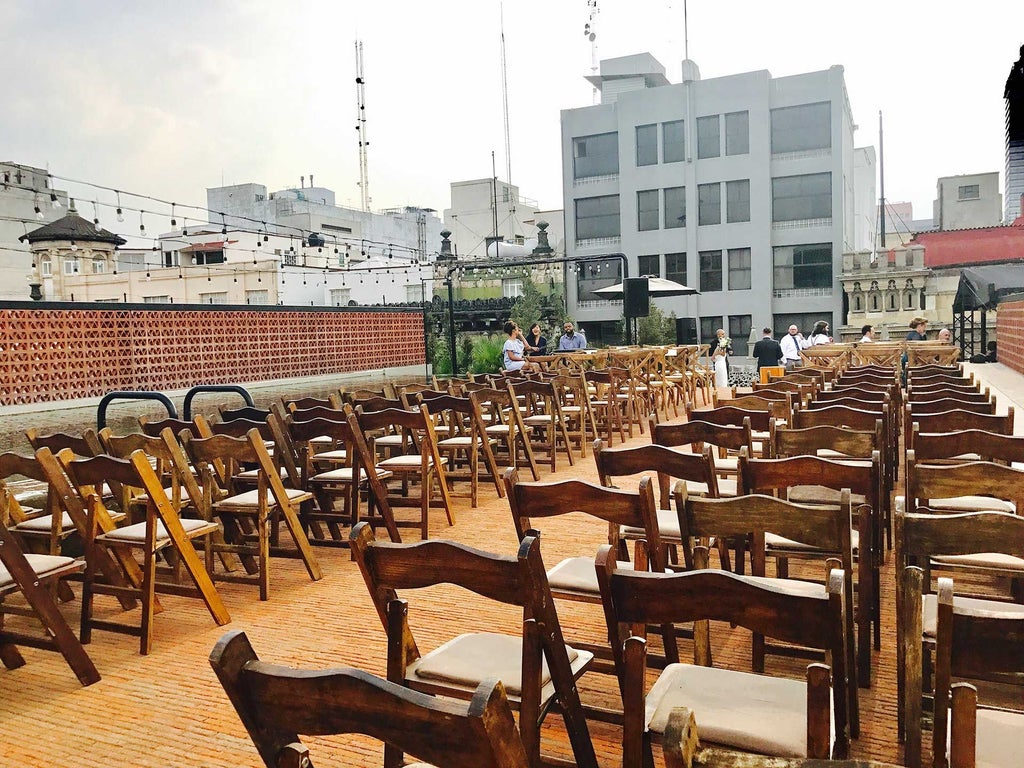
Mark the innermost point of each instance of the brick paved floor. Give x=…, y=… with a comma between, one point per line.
x=168, y=709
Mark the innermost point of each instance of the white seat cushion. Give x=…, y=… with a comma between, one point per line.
x=963, y=504
x=728, y=464
x=468, y=659
x=45, y=523
x=132, y=534
x=40, y=564
x=407, y=461
x=462, y=442
x=726, y=487
x=339, y=455
x=998, y=742
x=668, y=526
x=756, y=713
x=253, y=474
x=984, y=560
x=389, y=441
x=252, y=498
x=930, y=609
x=774, y=541
x=578, y=574
x=343, y=475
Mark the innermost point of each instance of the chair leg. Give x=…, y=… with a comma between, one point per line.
x=148, y=596
x=263, y=540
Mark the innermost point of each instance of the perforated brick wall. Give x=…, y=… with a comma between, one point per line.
x=52, y=352
x=1010, y=334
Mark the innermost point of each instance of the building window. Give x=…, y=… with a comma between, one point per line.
x=739, y=269
x=710, y=271
x=796, y=198
x=597, y=217
x=709, y=204
x=220, y=297
x=162, y=299
x=289, y=258
x=673, y=142
x=739, y=332
x=647, y=213
x=99, y=265
x=257, y=297
x=46, y=267
x=171, y=258
x=70, y=266
x=593, y=275
x=802, y=128
x=708, y=328
x=675, y=267
x=803, y=266
x=646, y=145
x=596, y=155
x=737, y=133
x=968, y=192
x=340, y=297
x=414, y=293
x=675, y=207
x=649, y=265
x=708, y=142
x=737, y=200
x=209, y=257
x=512, y=287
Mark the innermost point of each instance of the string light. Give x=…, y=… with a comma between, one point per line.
x=142, y=225
x=95, y=215
x=174, y=223
x=54, y=202
x=120, y=213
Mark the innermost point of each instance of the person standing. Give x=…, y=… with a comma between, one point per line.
x=535, y=343
x=791, y=345
x=917, y=328
x=819, y=335
x=767, y=351
x=720, y=357
x=867, y=334
x=570, y=340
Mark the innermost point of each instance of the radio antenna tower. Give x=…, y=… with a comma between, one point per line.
x=590, y=32
x=364, y=141
x=504, y=97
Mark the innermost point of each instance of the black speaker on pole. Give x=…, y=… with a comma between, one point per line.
x=686, y=330
x=636, y=297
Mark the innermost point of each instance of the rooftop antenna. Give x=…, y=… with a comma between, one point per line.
x=364, y=142
x=686, y=33
x=590, y=32
x=504, y=97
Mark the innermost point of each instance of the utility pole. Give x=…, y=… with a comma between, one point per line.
x=881, y=182
x=364, y=141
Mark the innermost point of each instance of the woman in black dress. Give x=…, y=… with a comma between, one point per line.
x=535, y=340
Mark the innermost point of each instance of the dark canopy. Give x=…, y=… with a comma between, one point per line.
x=981, y=287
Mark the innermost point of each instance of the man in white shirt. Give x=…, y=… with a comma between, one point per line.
x=868, y=334
x=791, y=344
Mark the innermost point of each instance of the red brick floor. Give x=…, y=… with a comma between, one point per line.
x=167, y=709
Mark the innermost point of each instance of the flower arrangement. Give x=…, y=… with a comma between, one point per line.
x=724, y=342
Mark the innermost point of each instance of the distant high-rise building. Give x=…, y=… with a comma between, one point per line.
x=1014, y=96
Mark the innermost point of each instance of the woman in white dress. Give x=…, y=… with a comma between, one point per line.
x=720, y=357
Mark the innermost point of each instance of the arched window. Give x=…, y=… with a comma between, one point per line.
x=46, y=267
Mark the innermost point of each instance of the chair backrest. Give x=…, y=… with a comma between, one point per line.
x=989, y=446
x=920, y=395
x=635, y=509
x=86, y=444
x=728, y=415
x=667, y=462
x=276, y=704
x=247, y=412
x=837, y=416
x=169, y=459
x=928, y=482
x=633, y=601
x=300, y=403
x=778, y=475
x=377, y=403
x=220, y=457
x=695, y=433
x=867, y=395
x=823, y=526
x=946, y=389
x=959, y=419
x=917, y=407
x=199, y=426
x=242, y=427
x=317, y=412
x=849, y=402
x=808, y=441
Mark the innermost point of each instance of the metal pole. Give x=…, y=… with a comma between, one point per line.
x=451, y=322
x=426, y=334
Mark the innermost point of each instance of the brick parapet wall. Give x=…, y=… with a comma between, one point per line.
x=59, y=352
x=1010, y=334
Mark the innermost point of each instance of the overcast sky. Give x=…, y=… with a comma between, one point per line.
x=168, y=99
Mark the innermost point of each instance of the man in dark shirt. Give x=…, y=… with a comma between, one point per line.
x=767, y=351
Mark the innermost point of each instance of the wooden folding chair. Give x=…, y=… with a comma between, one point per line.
x=814, y=480
x=456, y=667
x=162, y=529
x=424, y=464
x=250, y=518
x=339, y=482
x=542, y=413
x=605, y=404
x=498, y=416
x=276, y=704
x=463, y=442
x=245, y=413
x=994, y=544
x=34, y=576
x=574, y=578
x=725, y=438
x=792, y=718
x=727, y=414
x=823, y=527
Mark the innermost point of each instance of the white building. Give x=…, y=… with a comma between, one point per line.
x=483, y=210
x=968, y=201
x=27, y=201
x=747, y=187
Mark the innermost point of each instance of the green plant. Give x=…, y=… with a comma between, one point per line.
x=527, y=309
x=654, y=329
x=486, y=356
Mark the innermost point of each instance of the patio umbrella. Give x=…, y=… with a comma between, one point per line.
x=656, y=286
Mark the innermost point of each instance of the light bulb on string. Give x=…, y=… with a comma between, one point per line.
x=184, y=227
x=74, y=246
x=95, y=216
x=54, y=202
x=142, y=225
x=174, y=222
x=39, y=213
x=120, y=213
